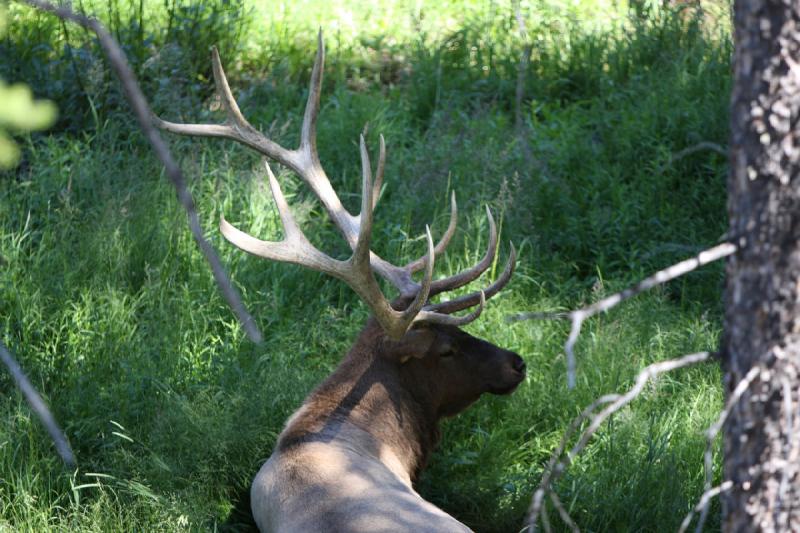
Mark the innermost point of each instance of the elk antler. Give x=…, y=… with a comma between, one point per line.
x=357, y=271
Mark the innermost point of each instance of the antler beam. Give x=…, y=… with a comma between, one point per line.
x=360, y=269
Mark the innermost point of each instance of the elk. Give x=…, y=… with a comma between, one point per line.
x=346, y=459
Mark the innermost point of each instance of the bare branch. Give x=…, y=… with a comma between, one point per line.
x=704, y=145
x=141, y=109
x=545, y=522
x=711, y=435
x=703, y=505
x=562, y=512
x=523, y=128
x=662, y=276
x=538, y=497
x=557, y=464
x=39, y=407
x=560, y=461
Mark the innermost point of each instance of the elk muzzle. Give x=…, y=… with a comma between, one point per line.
x=511, y=374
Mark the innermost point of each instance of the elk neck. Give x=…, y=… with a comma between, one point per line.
x=371, y=404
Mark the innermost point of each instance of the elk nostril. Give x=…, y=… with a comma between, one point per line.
x=519, y=365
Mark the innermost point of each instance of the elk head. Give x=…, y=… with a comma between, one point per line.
x=451, y=368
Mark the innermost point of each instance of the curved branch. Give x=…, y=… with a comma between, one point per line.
x=662, y=276
x=138, y=102
x=561, y=461
x=39, y=407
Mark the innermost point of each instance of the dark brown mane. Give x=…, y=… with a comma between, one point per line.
x=370, y=392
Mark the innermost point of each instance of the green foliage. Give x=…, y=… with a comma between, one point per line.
x=167, y=43
x=108, y=304
x=19, y=112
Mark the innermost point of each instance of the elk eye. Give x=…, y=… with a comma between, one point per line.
x=448, y=353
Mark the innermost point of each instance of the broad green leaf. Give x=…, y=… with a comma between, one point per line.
x=9, y=153
x=19, y=111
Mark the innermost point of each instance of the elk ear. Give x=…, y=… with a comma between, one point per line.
x=415, y=343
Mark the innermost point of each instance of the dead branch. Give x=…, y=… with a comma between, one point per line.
x=39, y=407
x=662, y=276
x=522, y=69
x=711, y=435
x=704, y=145
x=573, y=427
x=560, y=461
x=545, y=522
x=702, y=505
x=562, y=512
x=524, y=128
x=137, y=100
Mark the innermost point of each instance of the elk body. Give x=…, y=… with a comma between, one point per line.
x=347, y=458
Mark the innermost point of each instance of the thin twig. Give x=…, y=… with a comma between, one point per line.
x=560, y=461
x=39, y=407
x=141, y=109
x=704, y=145
x=703, y=504
x=562, y=512
x=562, y=446
x=522, y=70
x=662, y=276
x=545, y=521
x=713, y=431
x=523, y=127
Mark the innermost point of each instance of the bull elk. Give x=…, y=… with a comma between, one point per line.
x=347, y=458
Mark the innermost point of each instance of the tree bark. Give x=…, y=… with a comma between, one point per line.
x=762, y=316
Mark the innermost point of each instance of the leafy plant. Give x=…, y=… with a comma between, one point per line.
x=19, y=112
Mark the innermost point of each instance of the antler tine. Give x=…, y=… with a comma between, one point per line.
x=308, y=133
x=468, y=300
x=432, y=317
x=471, y=274
x=376, y=192
x=441, y=246
x=395, y=323
x=226, y=98
x=290, y=227
x=236, y=127
x=294, y=248
x=413, y=310
x=361, y=252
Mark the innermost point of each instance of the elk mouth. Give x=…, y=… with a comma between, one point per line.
x=508, y=389
x=502, y=390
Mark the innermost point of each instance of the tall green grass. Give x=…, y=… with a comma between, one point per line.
x=109, y=306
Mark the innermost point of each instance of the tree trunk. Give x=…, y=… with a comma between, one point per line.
x=762, y=318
